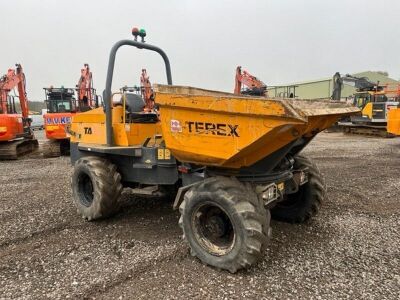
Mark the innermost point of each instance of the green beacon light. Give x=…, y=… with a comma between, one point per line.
x=142, y=34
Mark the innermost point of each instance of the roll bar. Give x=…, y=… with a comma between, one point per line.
x=110, y=72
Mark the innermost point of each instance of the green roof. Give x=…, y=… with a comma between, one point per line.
x=375, y=77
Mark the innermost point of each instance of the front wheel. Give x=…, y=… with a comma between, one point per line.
x=96, y=187
x=303, y=205
x=224, y=223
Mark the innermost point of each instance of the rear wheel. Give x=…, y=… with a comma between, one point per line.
x=225, y=223
x=303, y=205
x=96, y=187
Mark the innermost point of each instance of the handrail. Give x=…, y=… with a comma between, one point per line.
x=110, y=71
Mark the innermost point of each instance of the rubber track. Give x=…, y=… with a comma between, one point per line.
x=15, y=149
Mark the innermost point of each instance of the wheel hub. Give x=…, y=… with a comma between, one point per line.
x=213, y=229
x=216, y=226
x=85, y=188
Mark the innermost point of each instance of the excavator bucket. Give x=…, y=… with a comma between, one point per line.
x=219, y=129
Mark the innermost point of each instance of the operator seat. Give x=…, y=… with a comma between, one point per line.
x=135, y=106
x=134, y=103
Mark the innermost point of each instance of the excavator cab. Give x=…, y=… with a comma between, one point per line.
x=10, y=107
x=60, y=100
x=362, y=99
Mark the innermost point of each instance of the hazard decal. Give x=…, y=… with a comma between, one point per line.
x=176, y=126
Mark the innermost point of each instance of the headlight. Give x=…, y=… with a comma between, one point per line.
x=270, y=194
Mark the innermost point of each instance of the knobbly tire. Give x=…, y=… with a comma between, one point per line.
x=96, y=187
x=224, y=223
x=305, y=204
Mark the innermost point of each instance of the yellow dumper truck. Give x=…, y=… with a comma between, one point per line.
x=230, y=161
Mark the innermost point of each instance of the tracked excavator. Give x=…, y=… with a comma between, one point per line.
x=228, y=160
x=16, y=135
x=373, y=99
x=247, y=84
x=61, y=106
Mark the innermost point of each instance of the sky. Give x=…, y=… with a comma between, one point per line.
x=280, y=42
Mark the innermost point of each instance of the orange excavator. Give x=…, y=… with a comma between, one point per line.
x=16, y=136
x=247, y=84
x=87, y=98
x=61, y=107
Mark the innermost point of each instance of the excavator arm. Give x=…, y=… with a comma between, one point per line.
x=360, y=83
x=84, y=87
x=253, y=85
x=14, y=79
x=3, y=98
x=147, y=92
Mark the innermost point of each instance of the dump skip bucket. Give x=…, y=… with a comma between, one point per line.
x=221, y=129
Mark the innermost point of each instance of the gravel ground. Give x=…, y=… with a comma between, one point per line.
x=351, y=250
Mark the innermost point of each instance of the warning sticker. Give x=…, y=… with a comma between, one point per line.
x=176, y=126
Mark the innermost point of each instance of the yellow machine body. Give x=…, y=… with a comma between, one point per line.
x=89, y=128
x=214, y=128
x=367, y=111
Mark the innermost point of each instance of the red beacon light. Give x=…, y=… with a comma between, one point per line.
x=136, y=32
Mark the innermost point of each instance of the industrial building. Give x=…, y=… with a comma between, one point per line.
x=322, y=88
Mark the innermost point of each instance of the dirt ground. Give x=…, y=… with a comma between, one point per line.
x=351, y=250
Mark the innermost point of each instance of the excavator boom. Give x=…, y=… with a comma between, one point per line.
x=360, y=83
x=84, y=87
x=253, y=85
x=147, y=92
